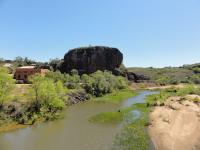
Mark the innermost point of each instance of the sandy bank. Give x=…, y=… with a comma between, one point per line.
x=176, y=126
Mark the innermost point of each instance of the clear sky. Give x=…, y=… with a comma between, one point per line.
x=148, y=32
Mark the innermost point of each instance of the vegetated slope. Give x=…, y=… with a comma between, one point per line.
x=171, y=75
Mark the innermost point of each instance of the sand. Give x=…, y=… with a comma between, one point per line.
x=176, y=126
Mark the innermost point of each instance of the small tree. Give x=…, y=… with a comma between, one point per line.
x=46, y=92
x=6, y=85
x=36, y=81
x=60, y=89
x=19, y=61
x=55, y=64
x=74, y=72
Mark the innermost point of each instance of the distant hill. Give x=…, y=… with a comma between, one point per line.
x=171, y=75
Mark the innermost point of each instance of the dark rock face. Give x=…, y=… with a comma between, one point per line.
x=136, y=77
x=91, y=59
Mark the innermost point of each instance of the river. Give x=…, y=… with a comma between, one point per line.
x=74, y=132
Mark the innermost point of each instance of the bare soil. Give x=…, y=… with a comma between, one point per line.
x=176, y=126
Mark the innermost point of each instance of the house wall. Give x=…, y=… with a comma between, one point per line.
x=24, y=73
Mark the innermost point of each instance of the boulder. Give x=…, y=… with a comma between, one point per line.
x=77, y=97
x=90, y=59
x=136, y=77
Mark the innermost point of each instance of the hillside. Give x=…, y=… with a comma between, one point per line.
x=171, y=75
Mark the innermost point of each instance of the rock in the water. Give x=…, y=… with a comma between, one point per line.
x=91, y=59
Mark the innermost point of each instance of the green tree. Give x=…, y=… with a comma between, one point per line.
x=1, y=60
x=56, y=76
x=74, y=72
x=28, y=61
x=46, y=92
x=36, y=81
x=60, y=89
x=6, y=85
x=19, y=61
x=55, y=64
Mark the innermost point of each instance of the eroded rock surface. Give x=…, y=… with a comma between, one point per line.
x=91, y=59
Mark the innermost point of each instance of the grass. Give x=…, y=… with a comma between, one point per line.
x=107, y=117
x=11, y=127
x=20, y=93
x=117, y=96
x=134, y=134
x=113, y=117
x=164, y=94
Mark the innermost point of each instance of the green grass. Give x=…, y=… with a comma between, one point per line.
x=167, y=75
x=134, y=135
x=113, y=117
x=107, y=117
x=117, y=96
x=164, y=94
x=117, y=116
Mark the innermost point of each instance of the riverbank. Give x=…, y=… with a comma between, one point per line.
x=64, y=133
x=176, y=125
x=133, y=119
x=174, y=118
x=13, y=109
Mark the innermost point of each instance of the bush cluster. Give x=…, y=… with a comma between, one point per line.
x=47, y=93
x=96, y=84
x=100, y=83
x=166, y=93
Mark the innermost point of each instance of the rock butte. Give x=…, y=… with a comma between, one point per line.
x=91, y=59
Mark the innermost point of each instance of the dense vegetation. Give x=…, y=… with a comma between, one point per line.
x=46, y=96
x=96, y=84
x=6, y=85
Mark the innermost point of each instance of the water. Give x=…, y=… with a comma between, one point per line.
x=140, y=98
x=74, y=132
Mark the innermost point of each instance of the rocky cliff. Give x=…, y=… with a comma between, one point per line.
x=91, y=59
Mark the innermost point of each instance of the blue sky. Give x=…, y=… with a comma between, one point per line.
x=148, y=32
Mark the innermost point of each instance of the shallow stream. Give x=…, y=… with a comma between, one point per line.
x=74, y=132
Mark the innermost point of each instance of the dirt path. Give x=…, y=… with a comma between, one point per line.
x=176, y=126
x=153, y=86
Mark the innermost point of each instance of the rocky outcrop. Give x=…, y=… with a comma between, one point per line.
x=77, y=97
x=136, y=77
x=91, y=59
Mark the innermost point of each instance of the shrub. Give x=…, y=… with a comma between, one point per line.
x=56, y=76
x=47, y=92
x=6, y=85
x=100, y=83
x=188, y=89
